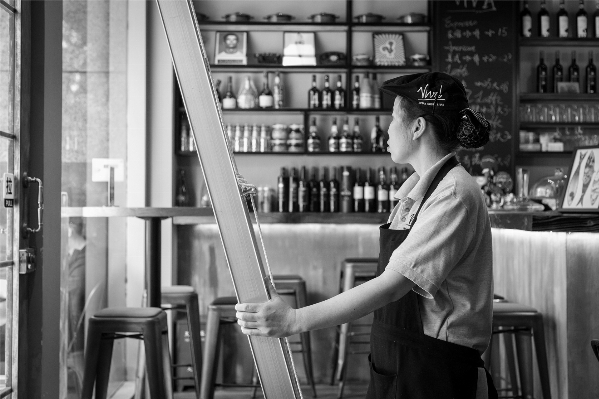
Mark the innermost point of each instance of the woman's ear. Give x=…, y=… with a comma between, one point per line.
x=418, y=127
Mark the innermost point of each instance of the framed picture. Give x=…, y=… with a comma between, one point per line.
x=389, y=49
x=231, y=48
x=582, y=191
x=568, y=87
x=299, y=48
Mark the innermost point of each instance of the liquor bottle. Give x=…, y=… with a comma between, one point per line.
x=238, y=145
x=376, y=94
x=293, y=191
x=323, y=187
x=573, y=70
x=229, y=101
x=246, y=140
x=314, y=188
x=255, y=140
x=558, y=72
x=339, y=95
x=346, y=142
x=382, y=193
x=393, y=187
x=277, y=92
x=182, y=198
x=217, y=89
x=526, y=21
x=563, y=21
x=542, y=74
x=184, y=136
x=334, y=137
x=313, y=137
x=365, y=92
x=544, y=21
x=248, y=95
x=369, y=194
x=327, y=94
x=334, y=192
x=357, y=136
x=355, y=94
x=358, y=193
x=264, y=139
x=283, y=191
x=591, y=75
x=303, y=191
x=375, y=136
x=404, y=176
x=266, y=99
x=345, y=190
x=596, y=18
x=314, y=95
x=581, y=21
x=382, y=144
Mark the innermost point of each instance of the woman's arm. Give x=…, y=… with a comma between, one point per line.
x=276, y=318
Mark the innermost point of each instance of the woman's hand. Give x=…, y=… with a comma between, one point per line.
x=274, y=318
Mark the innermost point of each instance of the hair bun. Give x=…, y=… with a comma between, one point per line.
x=473, y=131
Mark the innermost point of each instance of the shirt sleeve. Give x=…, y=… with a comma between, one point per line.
x=437, y=241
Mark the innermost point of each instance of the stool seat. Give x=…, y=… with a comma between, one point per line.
x=224, y=300
x=511, y=307
x=128, y=313
x=177, y=289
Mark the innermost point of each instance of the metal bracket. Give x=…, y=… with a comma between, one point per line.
x=26, y=260
x=40, y=204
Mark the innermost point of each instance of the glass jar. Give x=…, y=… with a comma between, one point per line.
x=549, y=189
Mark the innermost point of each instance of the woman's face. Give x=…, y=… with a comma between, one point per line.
x=400, y=143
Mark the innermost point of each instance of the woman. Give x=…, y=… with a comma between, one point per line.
x=432, y=297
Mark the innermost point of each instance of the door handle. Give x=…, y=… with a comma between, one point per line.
x=40, y=205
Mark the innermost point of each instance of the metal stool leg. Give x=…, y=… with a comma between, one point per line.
x=539, y=341
x=193, y=320
x=524, y=350
x=508, y=340
x=92, y=352
x=211, y=348
x=103, y=372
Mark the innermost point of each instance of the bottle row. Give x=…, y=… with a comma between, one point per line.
x=557, y=139
x=559, y=83
x=582, y=26
x=364, y=94
x=344, y=190
x=559, y=113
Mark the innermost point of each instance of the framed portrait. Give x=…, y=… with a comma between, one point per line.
x=582, y=191
x=389, y=49
x=568, y=87
x=231, y=48
x=299, y=48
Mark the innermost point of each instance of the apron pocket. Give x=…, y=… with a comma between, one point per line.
x=382, y=386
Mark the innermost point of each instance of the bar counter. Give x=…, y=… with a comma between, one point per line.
x=555, y=272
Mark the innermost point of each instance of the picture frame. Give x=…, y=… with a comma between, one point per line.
x=231, y=48
x=568, y=87
x=299, y=48
x=581, y=194
x=388, y=49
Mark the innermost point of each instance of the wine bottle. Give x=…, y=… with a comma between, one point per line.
x=376, y=94
x=375, y=136
x=248, y=95
x=544, y=20
x=229, y=101
x=313, y=137
x=182, y=198
x=382, y=193
x=558, y=72
x=325, y=205
x=277, y=92
x=581, y=21
x=573, y=70
x=334, y=137
x=345, y=192
x=382, y=141
x=314, y=188
x=314, y=95
x=542, y=74
x=264, y=139
x=266, y=99
x=283, y=191
x=365, y=92
x=393, y=187
x=247, y=139
x=255, y=141
x=303, y=191
x=526, y=21
x=358, y=193
x=293, y=191
x=217, y=89
x=563, y=21
x=357, y=136
x=355, y=94
x=238, y=145
x=334, y=192
x=369, y=194
x=339, y=95
x=591, y=75
x=327, y=94
x=346, y=142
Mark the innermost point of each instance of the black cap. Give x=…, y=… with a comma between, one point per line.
x=432, y=91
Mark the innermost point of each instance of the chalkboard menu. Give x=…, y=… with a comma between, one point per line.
x=475, y=41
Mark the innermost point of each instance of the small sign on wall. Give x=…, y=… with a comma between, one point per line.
x=9, y=190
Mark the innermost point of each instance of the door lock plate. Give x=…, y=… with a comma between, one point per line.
x=26, y=260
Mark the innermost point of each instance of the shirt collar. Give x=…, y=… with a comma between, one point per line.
x=415, y=186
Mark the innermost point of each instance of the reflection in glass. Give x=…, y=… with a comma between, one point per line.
x=5, y=155
x=6, y=70
x=3, y=303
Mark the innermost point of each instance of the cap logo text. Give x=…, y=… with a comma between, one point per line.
x=427, y=97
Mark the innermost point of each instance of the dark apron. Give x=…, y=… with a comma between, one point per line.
x=406, y=363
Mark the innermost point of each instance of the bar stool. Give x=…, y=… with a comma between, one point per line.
x=523, y=322
x=109, y=324
x=184, y=298
x=354, y=271
x=222, y=311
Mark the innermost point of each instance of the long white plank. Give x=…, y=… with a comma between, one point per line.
x=272, y=356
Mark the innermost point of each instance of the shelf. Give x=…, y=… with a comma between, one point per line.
x=396, y=27
x=532, y=125
x=537, y=41
x=402, y=69
x=334, y=154
x=525, y=97
x=275, y=26
x=307, y=217
x=261, y=67
x=314, y=111
x=543, y=154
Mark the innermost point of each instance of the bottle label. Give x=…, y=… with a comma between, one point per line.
x=382, y=194
x=229, y=103
x=338, y=101
x=313, y=145
x=545, y=26
x=376, y=100
x=365, y=100
x=357, y=145
x=527, y=26
x=345, y=144
x=265, y=101
x=392, y=193
x=369, y=193
x=358, y=192
x=581, y=26
x=597, y=26
x=333, y=145
x=326, y=100
x=563, y=26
